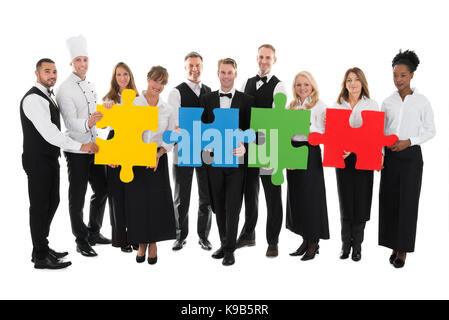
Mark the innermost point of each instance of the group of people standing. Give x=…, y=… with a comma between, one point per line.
x=144, y=211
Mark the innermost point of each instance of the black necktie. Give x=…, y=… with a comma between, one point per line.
x=264, y=78
x=229, y=95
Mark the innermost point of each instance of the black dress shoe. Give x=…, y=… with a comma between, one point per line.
x=356, y=256
x=272, y=251
x=51, y=263
x=98, y=239
x=228, y=259
x=152, y=260
x=301, y=250
x=140, y=259
x=398, y=263
x=393, y=257
x=310, y=253
x=245, y=243
x=345, y=251
x=205, y=244
x=219, y=254
x=58, y=255
x=127, y=249
x=86, y=250
x=179, y=244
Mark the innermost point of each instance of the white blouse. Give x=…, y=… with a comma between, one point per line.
x=167, y=121
x=409, y=119
x=317, y=118
x=356, y=116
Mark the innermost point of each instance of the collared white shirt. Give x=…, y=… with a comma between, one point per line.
x=225, y=102
x=280, y=87
x=317, y=118
x=409, y=119
x=77, y=100
x=36, y=109
x=174, y=97
x=167, y=121
x=364, y=104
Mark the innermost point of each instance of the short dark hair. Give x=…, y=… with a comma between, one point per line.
x=158, y=73
x=409, y=58
x=193, y=54
x=41, y=61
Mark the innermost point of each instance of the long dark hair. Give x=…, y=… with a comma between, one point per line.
x=113, y=94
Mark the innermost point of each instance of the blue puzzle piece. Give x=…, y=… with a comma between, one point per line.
x=223, y=136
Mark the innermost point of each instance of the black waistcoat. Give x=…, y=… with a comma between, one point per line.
x=188, y=98
x=264, y=96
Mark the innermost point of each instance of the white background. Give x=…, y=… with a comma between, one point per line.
x=323, y=37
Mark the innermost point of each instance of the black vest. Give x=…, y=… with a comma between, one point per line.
x=188, y=98
x=264, y=96
x=33, y=143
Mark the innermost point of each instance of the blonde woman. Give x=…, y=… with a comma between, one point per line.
x=306, y=192
x=355, y=187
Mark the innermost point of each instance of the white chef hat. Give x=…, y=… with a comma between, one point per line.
x=77, y=47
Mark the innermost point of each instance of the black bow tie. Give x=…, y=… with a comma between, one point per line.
x=229, y=95
x=50, y=92
x=264, y=78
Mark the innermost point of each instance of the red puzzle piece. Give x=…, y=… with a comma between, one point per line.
x=366, y=142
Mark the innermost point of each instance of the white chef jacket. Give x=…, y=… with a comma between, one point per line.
x=317, y=118
x=280, y=87
x=356, y=116
x=409, y=119
x=77, y=100
x=167, y=121
x=36, y=109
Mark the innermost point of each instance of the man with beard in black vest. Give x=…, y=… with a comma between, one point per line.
x=42, y=140
x=187, y=95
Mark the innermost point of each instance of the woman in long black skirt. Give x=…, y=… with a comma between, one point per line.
x=306, y=192
x=122, y=78
x=409, y=115
x=149, y=200
x=355, y=187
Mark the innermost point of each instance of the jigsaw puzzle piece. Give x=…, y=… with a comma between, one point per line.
x=279, y=125
x=127, y=148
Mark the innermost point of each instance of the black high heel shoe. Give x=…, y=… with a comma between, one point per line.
x=140, y=259
x=152, y=260
x=301, y=250
x=393, y=257
x=309, y=255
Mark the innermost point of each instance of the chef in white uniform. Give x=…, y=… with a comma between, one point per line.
x=77, y=100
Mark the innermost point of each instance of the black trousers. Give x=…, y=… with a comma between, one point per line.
x=226, y=189
x=43, y=191
x=81, y=171
x=273, y=197
x=352, y=234
x=183, y=186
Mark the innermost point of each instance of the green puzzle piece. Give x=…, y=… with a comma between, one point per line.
x=279, y=125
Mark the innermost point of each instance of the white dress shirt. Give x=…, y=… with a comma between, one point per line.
x=317, y=118
x=409, y=119
x=36, y=109
x=167, y=121
x=174, y=97
x=356, y=116
x=77, y=100
x=280, y=87
x=225, y=102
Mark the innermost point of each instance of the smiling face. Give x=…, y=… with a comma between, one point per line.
x=47, y=74
x=353, y=85
x=155, y=88
x=303, y=87
x=194, y=68
x=265, y=59
x=122, y=78
x=80, y=66
x=402, y=77
x=227, y=75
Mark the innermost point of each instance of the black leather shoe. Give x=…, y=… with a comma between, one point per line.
x=152, y=260
x=398, y=263
x=86, y=250
x=52, y=254
x=393, y=257
x=140, y=259
x=205, y=244
x=127, y=249
x=310, y=253
x=52, y=264
x=356, y=255
x=245, y=243
x=272, y=251
x=98, y=238
x=345, y=251
x=301, y=250
x=179, y=244
x=219, y=254
x=228, y=259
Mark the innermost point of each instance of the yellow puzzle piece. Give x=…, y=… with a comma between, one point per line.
x=127, y=148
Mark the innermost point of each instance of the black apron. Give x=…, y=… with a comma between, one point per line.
x=306, y=198
x=400, y=188
x=355, y=191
